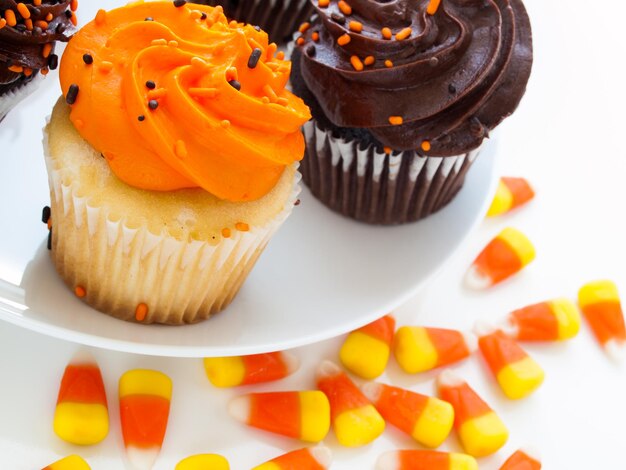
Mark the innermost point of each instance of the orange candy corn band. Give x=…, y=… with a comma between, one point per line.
x=499, y=350
x=312, y=458
x=168, y=140
x=276, y=412
x=451, y=345
x=536, y=322
x=465, y=401
x=82, y=384
x=342, y=394
x=521, y=460
x=400, y=407
x=606, y=320
x=264, y=368
x=383, y=329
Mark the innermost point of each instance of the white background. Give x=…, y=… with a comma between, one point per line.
x=566, y=137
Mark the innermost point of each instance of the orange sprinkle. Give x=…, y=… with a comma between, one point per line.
x=225, y=123
x=343, y=39
x=300, y=41
x=49, y=223
x=49, y=16
x=37, y=2
x=28, y=72
x=180, y=149
x=425, y=145
x=195, y=15
x=141, y=312
x=271, y=49
x=355, y=26
x=315, y=36
x=265, y=100
x=304, y=26
x=369, y=60
x=74, y=5
x=80, y=291
x=405, y=33
x=23, y=10
x=172, y=43
x=242, y=226
x=198, y=62
x=106, y=66
x=44, y=71
x=157, y=94
x=3, y=23
x=344, y=7
x=47, y=48
x=233, y=24
x=252, y=42
x=9, y=15
x=280, y=55
x=356, y=63
x=73, y=19
x=203, y=92
x=271, y=94
x=42, y=24
x=282, y=101
x=323, y=3
x=159, y=42
x=387, y=150
x=395, y=120
x=232, y=74
x=101, y=17
x=29, y=24
x=16, y=68
x=432, y=7
x=386, y=32
x=226, y=232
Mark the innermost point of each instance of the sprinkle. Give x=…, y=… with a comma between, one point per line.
x=50, y=240
x=9, y=15
x=242, y=226
x=198, y=62
x=271, y=94
x=150, y=84
x=253, y=60
x=226, y=232
x=355, y=26
x=172, y=43
x=369, y=60
x=300, y=41
x=28, y=72
x=44, y=71
x=106, y=66
x=343, y=40
x=338, y=18
x=297, y=203
x=101, y=17
x=405, y=33
x=16, y=68
x=310, y=50
x=159, y=42
x=23, y=10
x=235, y=84
x=231, y=74
x=3, y=23
x=203, y=92
x=45, y=214
x=153, y=104
x=304, y=26
x=68, y=14
x=271, y=49
x=265, y=100
x=225, y=123
x=80, y=291
x=451, y=88
x=49, y=17
x=257, y=28
x=425, y=145
x=323, y=3
x=141, y=118
x=157, y=94
x=87, y=59
x=141, y=311
x=46, y=50
x=74, y=5
x=37, y=3
x=203, y=16
x=29, y=24
x=42, y=24
x=344, y=7
x=49, y=224
x=315, y=36
x=74, y=19
x=179, y=3
x=195, y=15
x=148, y=18
x=180, y=149
x=388, y=64
x=386, y=32
x=72, y=94
x=395, y=120
x=387, y=150
x=356, y=63
x=432, y=7
x=280, y=55
x=282, y=101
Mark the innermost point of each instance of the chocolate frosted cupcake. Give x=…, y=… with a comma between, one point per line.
x=279, y=18
x=403, y=94
x=28, y=31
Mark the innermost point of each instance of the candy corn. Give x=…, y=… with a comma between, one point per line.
x=516, y=372
x=144, y=410
x=81, y=416
x=418, y=349
x=504, y=256
x=425, y=460
x=554, y=320
x=522, y=460
x=355, y=420
x=480, y=429
x=245, y=370
x=301, y=415
x=601, y=306
x=365, y=352
x=71, y=462
x=511, y=193
x=312, y=458
x=203, y=462
x=427, y=419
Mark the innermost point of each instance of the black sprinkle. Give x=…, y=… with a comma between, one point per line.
x=150, y=84
x=50, y=239
x=257, y=27
x=37, y=31
x=141, y=118
x=60, y=28
x=21, y=27
x=310, y=50
x=451, y=88
x=68, y=14
x=338, y=18
x=34, y=10
x=88, y=59
x=297, y=203
x=235, y=84
x=254, y=57
x=203, y=17
x=153, y=104
x=179, y=3
x=45, y=214
x=72, y=94
x=53, y=61
x=148, y=18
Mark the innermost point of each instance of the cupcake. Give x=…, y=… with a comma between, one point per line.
x=402, y=95
x=28, y=32
x=280, y=18
x=171, y=159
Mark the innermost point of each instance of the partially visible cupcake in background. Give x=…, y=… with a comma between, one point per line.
x=171, y=160
x=403, y=94
x=28, y=31
x=279, y=18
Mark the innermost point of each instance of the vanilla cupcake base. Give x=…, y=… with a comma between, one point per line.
x=122, y=264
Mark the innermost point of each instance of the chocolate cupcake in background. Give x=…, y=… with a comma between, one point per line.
x=278, y=18
x=402, y=95
x=28, y=31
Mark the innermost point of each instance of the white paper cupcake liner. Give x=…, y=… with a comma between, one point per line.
x=10, y=99
x=378, y=188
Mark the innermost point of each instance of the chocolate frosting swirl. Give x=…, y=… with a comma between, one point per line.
x=458, y=74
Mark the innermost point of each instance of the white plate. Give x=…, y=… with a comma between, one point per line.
x=321, y=275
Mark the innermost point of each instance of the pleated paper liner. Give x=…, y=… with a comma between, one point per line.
x=11, y=98
x=378, y=188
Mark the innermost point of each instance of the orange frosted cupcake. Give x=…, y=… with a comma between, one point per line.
x=171, y=159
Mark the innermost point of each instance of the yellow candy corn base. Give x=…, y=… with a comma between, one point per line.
x=358, y=427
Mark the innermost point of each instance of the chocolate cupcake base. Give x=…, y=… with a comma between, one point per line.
x=365, y=184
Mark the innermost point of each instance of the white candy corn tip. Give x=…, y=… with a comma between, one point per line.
x=616, y=350
x=484, y=328
x=471, y=341
x=449, y=379
x=474, y=279
x=292, y=363
x=372, y=391
x=141, y=459
x=239, y=408
x=388, y=461
x=509, y=327
x=322, y=455
x=328, y=369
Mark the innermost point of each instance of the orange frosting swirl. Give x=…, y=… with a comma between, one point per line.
x=194, y=128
